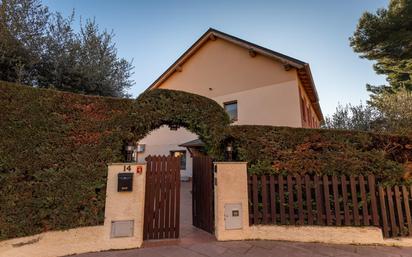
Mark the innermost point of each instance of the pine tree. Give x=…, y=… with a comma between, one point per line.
x=386, y=37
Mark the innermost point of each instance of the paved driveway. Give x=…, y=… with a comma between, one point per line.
x=257, y=249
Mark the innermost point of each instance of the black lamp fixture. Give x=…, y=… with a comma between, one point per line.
x=229, y=151
x=129, y=149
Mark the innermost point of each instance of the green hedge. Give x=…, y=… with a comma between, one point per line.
x=198, y=114
x=54, y=149
x=324, y=152
x=53, y=153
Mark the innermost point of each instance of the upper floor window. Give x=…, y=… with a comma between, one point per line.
x=231, y=109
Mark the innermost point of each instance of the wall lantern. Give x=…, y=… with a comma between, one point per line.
x=229, y=151
x=129, y=149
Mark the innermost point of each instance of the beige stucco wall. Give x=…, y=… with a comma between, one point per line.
x=268, y=105
x=226, y=68
x=163, y=140
x=267, y=94
x=231, y=187
x=119, y=206
x=274, y=105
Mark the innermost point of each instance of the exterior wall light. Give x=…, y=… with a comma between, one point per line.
x=129, y=149
x=229, y=151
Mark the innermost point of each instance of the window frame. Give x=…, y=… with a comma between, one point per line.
x=237, y=109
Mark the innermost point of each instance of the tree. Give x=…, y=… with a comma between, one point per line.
x=385, y=37
x=40, y=48
x=59, y=67
x=395, y=111
x=22, y=26
x=102, y=70
x=360, y=117
x=386, y=112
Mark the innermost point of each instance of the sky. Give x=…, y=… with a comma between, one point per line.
x=155, y=33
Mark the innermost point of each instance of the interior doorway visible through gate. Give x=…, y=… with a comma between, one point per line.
x=162, y=218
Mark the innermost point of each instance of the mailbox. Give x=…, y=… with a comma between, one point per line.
x=125, y=182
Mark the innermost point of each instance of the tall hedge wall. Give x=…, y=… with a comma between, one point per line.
x=319, y=151
x=54, y=148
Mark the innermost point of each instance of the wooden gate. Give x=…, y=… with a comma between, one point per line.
x=203, y=193
x=162, y=198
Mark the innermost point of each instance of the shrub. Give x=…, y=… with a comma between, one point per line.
x=55, y=146
x=319, y=151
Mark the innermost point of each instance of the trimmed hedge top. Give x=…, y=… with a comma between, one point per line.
x=324, y=152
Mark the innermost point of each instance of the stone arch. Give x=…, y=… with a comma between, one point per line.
x=198, y=114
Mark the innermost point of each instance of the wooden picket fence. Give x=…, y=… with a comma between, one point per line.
x=330, y=201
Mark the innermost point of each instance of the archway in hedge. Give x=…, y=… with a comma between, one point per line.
x=198, y=114
x=202, y=117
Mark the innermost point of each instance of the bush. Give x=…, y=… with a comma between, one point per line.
x=319, y=151
x=55, y=146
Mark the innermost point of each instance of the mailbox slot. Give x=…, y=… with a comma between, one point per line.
x=125, y=182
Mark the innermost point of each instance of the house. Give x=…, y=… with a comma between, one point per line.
x=255, y=85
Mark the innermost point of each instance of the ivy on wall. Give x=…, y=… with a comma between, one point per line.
x=54, y=149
